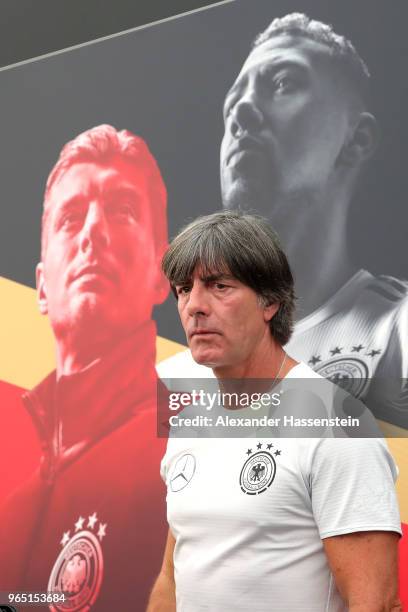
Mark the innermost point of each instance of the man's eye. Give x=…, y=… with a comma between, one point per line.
x=220, y=286
x=70, y=219
x=124, y=210
x=183, y=289
x=284, y=84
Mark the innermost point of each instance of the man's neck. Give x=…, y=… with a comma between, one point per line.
x=314, y=239
x=268, y=362
x=72, y=358
x=75, y=353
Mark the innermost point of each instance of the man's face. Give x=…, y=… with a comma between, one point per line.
x=100, y=265
x=285, y=124
x=223, y=319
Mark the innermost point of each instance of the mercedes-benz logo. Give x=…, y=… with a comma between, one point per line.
x=182, y=473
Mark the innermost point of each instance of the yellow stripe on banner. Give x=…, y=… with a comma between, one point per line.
x=399, y=450
x=398, y=445
x=26, y=340
x=166, y=348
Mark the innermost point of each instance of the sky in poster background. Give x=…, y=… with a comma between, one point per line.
x=167, y=83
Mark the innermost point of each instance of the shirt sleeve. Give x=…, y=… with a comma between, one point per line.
x=388, y=393
x=352, y=486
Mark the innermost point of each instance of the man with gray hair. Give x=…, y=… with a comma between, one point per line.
x=277, y=523
x=297, y=135
x=82, y=528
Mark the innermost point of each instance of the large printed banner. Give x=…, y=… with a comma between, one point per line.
x=80, y=479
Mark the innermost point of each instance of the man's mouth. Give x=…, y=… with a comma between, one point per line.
x=201, y=333
x=93, y=271
x=243, y=148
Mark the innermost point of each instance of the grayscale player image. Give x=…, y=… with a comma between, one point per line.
x=298, y=132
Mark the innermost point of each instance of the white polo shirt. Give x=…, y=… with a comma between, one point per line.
x=248, y=516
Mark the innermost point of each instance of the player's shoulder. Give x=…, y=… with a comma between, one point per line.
x=393, y=289
x=182, y=365
x=311, y=386
x=302, y=370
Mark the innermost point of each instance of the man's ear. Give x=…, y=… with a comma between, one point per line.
x=41, y=289
x=270, y=311
x=362, y=142
x=162, y=285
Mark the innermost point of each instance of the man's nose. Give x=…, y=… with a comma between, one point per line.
x=95, y=230
x=198, y=302
x=246, y=115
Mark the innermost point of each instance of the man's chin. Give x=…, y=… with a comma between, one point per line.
x=247, y=195
x=90, y=310
x=204, y=358
x=90, y=299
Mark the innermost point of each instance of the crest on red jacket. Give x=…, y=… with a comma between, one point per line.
x=78, y=570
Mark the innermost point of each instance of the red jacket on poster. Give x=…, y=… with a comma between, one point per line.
x=91, y=520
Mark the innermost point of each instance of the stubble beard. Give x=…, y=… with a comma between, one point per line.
x=86, y=320
x=282, y=205
x=257, y=195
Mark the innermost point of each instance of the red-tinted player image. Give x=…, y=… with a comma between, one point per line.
x=83, y=524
